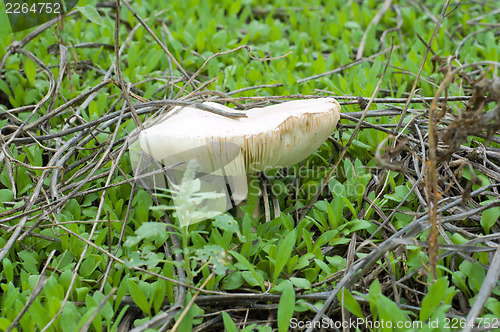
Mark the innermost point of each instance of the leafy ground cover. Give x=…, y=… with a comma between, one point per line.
x=394, y=219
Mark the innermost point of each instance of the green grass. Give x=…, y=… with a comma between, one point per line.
x=226, y=254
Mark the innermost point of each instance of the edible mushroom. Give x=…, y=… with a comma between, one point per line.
x=275, y=136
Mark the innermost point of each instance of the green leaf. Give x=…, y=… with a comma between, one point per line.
x=457, y=238
x=285, y=248
x=4, y=87
x=350, y=206
x=300, y=283
x=226, y=222
x=119, y=318
x=107, y=308
x=150, y=230
x=493, y=305
x=168, y=271
x=159, y=294
x=132, y=56
x=153, y=57
x=350, y=303
x=389, y=311
x=93, y=109
x=30, y=70
x=432, y=299
x=476, y=277
x=6, y=195
x=286, y=307
x=142, y=202
x=348, y=169
x=139, y=297
x=489, y=218
x=359, y=168
x=88, y=266
x=332, y=220
x=69, y=317
x=253, y=194
x=214, y=254
x=92, y=305
x=233, y=281
x=91, y=14
x=374, y=293
x=8, y=269
x=30, y=261
x=229, y=323
x=9, y=297
x=323, y=266
x=357, y=224
x=303, y=261
x=255, y=279
x=5, y=324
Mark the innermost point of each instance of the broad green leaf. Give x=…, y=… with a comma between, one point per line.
x=357, y=224
x=93, y=109
x=8, y=270
x=323, y=266
x=168, y=271
x=232, y=281
x=142, y=202
x=253, y=327
x=30, y=261
x=226, y=222
x=348, y=169
x=107, y=309
x=489, y=218
x=350, y=303
x=389, y=311
x=139, y=297
x=255, y=276
x=493, y=305
x=359, y=168
x=253, y=279
x=374, y=292
x=10, y=296
x=4, y=323
x=30, y=70
x=476, y=277
x=158, y=294
x=300, y=283
x=150, y=230
x=432, y=300
x=91, y=14
x=88, y=266
x=229, y=324
x=69, y=317
x=214, y=254
x=188, y=320
x=284, y=253
x=286, y=307
x=91, y=304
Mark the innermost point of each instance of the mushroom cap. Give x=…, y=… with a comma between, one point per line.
x=269, y=137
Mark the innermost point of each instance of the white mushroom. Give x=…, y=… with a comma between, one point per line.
x=270, y=137
x=275, y=136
